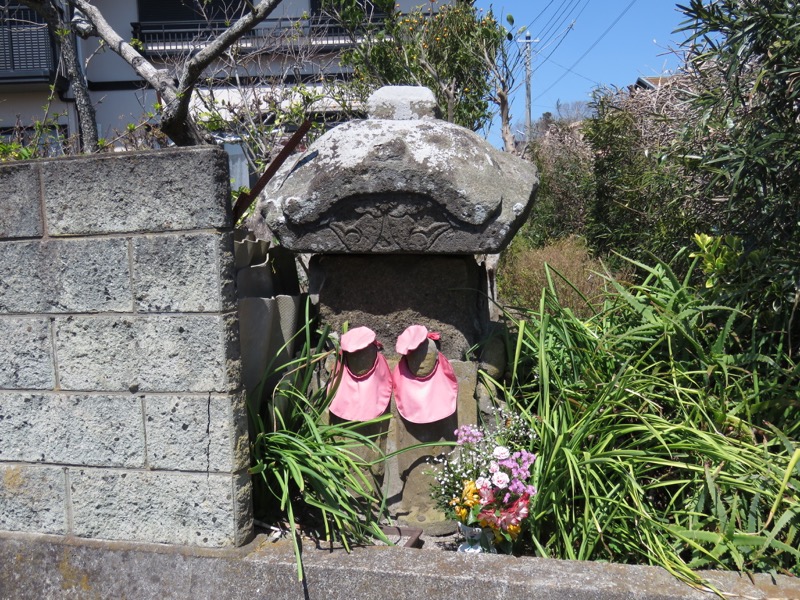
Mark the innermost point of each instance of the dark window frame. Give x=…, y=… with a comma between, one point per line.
x=27, y=48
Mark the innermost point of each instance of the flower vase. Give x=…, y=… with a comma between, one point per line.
x=476, y=539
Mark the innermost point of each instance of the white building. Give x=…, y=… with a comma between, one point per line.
x=299, y=44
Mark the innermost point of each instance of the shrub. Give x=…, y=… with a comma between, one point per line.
x=566, y=187
x=651, y=435
x=523, y=275
x=646, y=200
x=744, y=56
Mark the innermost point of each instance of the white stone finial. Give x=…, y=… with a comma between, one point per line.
x=402, y=103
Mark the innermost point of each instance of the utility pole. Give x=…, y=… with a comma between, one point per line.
x=528, y=87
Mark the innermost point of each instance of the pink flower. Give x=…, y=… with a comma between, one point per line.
x=493, y=467
x=500, y=480
x=485, y=490
x=482, y=482
x=468, y=434
x=488, y=517
x=514, y=514
x=501, y=453
x=520, y=508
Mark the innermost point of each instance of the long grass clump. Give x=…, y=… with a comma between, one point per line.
x=308, y=472
x=660, y=438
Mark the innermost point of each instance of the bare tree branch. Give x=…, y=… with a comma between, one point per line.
x=176, y=113
x=158, y=78
x=176, y=119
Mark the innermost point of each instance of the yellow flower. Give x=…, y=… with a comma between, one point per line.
x=513, y=531
x=470, y=495
x=461, y=513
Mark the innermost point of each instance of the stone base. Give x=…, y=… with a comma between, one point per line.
x=37, y=567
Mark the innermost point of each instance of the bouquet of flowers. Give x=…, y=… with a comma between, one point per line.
x=486, y=480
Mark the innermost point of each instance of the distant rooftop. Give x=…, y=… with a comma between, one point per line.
x=653, y=83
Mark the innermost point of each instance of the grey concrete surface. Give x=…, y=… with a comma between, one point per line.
x=78, y=429
x=168, y=190
x=153, y=353
x=20, y=210
x=32, y=498
x=196, y=433
x=35, y=567
x=187, y=272
x=191, y=508
x=121, y=411
x=26, y=353
x=59, y=276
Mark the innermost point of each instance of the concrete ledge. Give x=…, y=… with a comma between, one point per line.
x=39, y=566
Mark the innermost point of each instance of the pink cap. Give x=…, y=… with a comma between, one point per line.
x=357, y=339
x=411, y=339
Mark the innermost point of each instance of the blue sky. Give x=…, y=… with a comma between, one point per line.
x=636, y=45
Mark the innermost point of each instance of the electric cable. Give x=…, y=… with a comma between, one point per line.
x=557, y=22
x=592, y=47
x=560, y=66
x=578, y=16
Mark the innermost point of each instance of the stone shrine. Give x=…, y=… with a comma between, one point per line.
x=396, y=211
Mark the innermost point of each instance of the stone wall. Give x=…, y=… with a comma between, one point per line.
x=121, y=410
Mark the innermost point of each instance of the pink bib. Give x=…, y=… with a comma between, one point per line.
x=426, y=399
x=362, y=397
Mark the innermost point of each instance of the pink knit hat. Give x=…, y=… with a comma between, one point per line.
x=360, y=397
x=429, y=398
x=357, y=339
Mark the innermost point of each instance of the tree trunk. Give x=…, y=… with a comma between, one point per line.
x=83, y=103
x=509, y=143
x=68, y=51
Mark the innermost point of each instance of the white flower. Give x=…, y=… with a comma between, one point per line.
x=501, y=453
x=482, y=482
x=493, y=467
x=500, y=480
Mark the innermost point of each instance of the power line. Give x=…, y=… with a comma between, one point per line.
x=554, y=22
x=560, y=66
x=544, y=10
x=563, y=37
x=585, y=4
x=592, y=47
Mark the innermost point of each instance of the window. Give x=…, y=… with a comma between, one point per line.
x=26, y=48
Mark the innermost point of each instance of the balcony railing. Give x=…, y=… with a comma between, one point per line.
x=27, y=52
x=181, y=37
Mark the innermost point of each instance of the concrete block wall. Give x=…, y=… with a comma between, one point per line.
x=122, y=415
